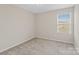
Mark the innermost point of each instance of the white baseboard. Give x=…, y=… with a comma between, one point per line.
x=27, y=39
x=55, y=40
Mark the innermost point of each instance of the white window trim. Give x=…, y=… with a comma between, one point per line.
x=70, y=23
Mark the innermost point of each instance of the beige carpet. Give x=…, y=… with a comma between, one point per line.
x=41, y=47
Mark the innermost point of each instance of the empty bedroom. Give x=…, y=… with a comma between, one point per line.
x=39, y=29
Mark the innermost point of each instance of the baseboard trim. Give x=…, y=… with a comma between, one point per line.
x=17, y=44
x=54, y=40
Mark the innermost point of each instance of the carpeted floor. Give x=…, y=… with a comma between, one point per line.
x=41, y=47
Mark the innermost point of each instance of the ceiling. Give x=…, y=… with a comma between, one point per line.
x=39, y=8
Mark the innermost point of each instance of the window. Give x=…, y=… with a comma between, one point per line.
x=64, y=22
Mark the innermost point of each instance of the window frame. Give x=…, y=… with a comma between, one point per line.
x=69, y=22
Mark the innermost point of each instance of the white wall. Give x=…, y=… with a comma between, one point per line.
x=47, y=26
x=16, y=26
x=76, y=27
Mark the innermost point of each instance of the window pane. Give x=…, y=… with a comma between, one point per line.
x=63, y=27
